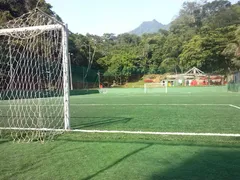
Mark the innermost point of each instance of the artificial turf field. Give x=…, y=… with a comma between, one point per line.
x=76, y=155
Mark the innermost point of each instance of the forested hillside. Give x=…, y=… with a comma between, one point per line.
x=205, y=35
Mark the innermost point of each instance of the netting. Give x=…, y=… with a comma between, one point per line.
x=234, y=82
x=82, y=81
x=156, y=87
x=32, y=77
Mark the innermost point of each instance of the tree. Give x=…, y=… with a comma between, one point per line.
x=224, y=17
x=232, y=51
x=120, y=63
x=127, y=38
x=205, y=51
x=194, y=53
x=10, y=9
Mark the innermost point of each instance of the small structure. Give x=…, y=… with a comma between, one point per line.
x=194, y=77
x=194, y=72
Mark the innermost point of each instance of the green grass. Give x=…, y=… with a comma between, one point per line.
x=217, y=119
x=195, y=113
x=125, y=156
x=82, y=156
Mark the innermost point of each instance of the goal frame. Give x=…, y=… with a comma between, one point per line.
x=165, y=86
x=65, y=65
x=30, y=28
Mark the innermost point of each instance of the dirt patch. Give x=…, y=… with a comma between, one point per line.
x=155, y=78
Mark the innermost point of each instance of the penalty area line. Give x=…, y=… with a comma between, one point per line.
x=149, y=104
x=237, y=107
x=157, y=133
x=121, y=132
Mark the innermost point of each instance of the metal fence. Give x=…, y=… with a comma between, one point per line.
x=234, y=82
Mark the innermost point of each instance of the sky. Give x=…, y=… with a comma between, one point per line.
x=114, y=16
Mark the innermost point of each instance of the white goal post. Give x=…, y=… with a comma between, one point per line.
x=32, y=28
x=34, y=77
x=156, y=87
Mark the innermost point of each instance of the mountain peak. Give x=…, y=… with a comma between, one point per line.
x=149, y=27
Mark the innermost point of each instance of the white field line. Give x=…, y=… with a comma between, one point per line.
x=149, y=104
x=125, y=132
x=149, y=95
x=157, y=133
x=237, y=107
x=19, y=105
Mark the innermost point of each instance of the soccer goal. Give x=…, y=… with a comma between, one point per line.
x=156, y=87
x=34, y=87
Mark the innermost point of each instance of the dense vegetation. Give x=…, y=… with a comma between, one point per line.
x=205, y=35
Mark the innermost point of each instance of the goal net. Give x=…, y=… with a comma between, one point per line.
x=156, y=87
x=34, y=96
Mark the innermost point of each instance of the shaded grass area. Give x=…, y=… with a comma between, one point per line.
x=209, y=119
x=118, y=112
x=99, y=156
x=156, y=113
x=197, y=98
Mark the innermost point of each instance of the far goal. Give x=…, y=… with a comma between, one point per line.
x=156, y=87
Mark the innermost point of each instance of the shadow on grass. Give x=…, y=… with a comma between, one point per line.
x=100, y=122
x=215, y=142
x=117, y=161
x=22, y=170
x=4, y=141
x=221, y=164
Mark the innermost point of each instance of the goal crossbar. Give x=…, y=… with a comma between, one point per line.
x=31, y=28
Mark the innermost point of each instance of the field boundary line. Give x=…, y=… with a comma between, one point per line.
x=165, y=95
x=149, y=104
x=237, y=107
x=123, y=132
x=156, y=133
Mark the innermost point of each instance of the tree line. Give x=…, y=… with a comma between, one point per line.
x=204, y=34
